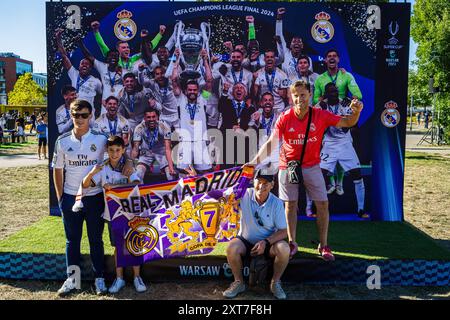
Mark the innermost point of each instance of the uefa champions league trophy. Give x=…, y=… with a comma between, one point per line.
x=191, y=41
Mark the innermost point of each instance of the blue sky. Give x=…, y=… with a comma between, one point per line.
x=26, y=21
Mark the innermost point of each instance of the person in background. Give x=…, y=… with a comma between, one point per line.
x=41, y=131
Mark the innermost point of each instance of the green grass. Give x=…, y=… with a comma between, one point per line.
x=46, y=236
x=361, y=240
x=16, y=145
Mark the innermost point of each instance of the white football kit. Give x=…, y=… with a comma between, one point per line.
x=337, y=144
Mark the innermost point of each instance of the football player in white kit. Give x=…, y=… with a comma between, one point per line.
x=110, y=73
x=86, y=85
x=111, y=123
x=295, y=50
x=192, y=133
x=271, y=79
x=162, y=89
x=152, y=142
x=338, y=147
x=63, y=119
x=264, y=120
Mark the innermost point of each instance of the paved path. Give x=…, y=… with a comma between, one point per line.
x=21, y=160
x=412, y=139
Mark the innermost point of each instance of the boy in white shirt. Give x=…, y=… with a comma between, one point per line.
x=108, y=175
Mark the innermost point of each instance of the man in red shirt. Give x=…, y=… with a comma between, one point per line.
x=290, y=131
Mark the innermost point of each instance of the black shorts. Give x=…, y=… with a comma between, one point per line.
x=249, y=246
x=42, y=142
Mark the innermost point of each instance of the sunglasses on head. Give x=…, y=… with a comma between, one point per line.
x=80, y=115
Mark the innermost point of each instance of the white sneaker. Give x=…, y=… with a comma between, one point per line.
x=277, y=290
x=139, y=285
x=339, y=190
x=67, y=287
x=235, y=288
x=117, y=285
x=330, y=188
x=100, y=286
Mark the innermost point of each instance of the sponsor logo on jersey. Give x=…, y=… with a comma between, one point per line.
x=125, y=29
x=322, y=30
x=390, y=117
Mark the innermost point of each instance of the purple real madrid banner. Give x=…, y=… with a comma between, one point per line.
x=178, y=218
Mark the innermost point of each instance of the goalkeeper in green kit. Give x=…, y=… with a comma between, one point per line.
x=344, y=81
x=125, y=61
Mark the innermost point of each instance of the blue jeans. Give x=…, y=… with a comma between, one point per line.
x=73, y=227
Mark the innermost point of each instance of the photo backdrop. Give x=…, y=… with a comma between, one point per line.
x=373, y=45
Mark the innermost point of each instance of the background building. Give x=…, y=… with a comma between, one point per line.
x=40, y=79
x=13, y=67
x=3, y=96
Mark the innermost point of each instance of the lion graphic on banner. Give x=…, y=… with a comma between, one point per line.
x=182, y=224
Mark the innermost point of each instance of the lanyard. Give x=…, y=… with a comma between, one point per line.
x=270, y=81
x=131, y=103
x=113, y=79
x=202, y=70
x=268, y=125
x=163, y=90
x=152, y=138
x=192, y=108
x=126, y=65
x=67, y=113
x=241, y=75
x=113, y=130
x=81, y=81
x=294, y=62
x=237, y=108
x=331, y=78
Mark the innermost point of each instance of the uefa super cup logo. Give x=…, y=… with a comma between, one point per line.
x=142, y=237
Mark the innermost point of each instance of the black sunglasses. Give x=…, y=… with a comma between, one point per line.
x=258, y=219
x=82, y=115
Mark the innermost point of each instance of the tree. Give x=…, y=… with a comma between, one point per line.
x=430, y=29
x=26, y=92
x=418, y=89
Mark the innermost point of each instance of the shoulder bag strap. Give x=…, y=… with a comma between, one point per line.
x=306, y=134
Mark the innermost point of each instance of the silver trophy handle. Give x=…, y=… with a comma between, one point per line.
x=178, y=31
x=206, y=33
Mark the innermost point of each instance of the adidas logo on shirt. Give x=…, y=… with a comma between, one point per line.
x=70, y=149
x=291, y=130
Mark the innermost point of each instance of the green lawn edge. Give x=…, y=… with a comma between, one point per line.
x=352, y=240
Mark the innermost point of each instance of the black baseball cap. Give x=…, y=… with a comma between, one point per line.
x=262, y=174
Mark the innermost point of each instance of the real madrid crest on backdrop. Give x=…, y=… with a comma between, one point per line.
x=390, y=116
x=125, y=29
x=322, y=30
